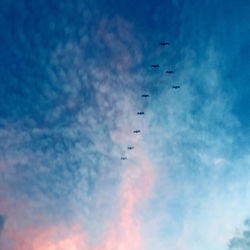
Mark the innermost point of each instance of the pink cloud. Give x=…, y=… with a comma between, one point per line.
x=55, y=238
x=2, y=166
x=116, y=34
x=123, y=233
x=135, y=188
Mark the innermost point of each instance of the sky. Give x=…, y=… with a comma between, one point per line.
x=72, y=78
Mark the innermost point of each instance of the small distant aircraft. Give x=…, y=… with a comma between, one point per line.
x=137, y=131
x=164, y=43
x=169, y=71
x=155, y=65
x=140, y=113
x=123, y=158
x=130, y=148
x=176, y=87
x=145, y=95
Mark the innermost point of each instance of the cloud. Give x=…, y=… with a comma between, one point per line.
x=53, y=238
x=2, y=166
x=124, y=232
x=193, y=142
x=69, y=118
x=242, y=241
x=64, y=166
x=136, y=186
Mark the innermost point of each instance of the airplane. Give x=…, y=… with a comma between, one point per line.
x=155, y=65
x=140, y=113
x=164, y=43
x=145, y=95
x=169, y=71
x=176, y=87
x=123, y=158
x=137, y=131
x=130, y=148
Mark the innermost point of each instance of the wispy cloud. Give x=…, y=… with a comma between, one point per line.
x=71, y=160
x=70, y=115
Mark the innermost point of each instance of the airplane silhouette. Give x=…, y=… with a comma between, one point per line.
x=137, y=131
x=164, y=43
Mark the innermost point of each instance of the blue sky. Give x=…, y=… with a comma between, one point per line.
x=72, y=78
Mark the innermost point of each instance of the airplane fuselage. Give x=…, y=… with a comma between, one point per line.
x=137, y=131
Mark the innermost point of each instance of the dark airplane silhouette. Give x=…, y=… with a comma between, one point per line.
x=164, y=43
x=169, y=71
x=140, y=113
x=130, y=148
x=137, y=131
x=145, y=95
x=155, y=65
x=176, y=87
x=123, y=158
